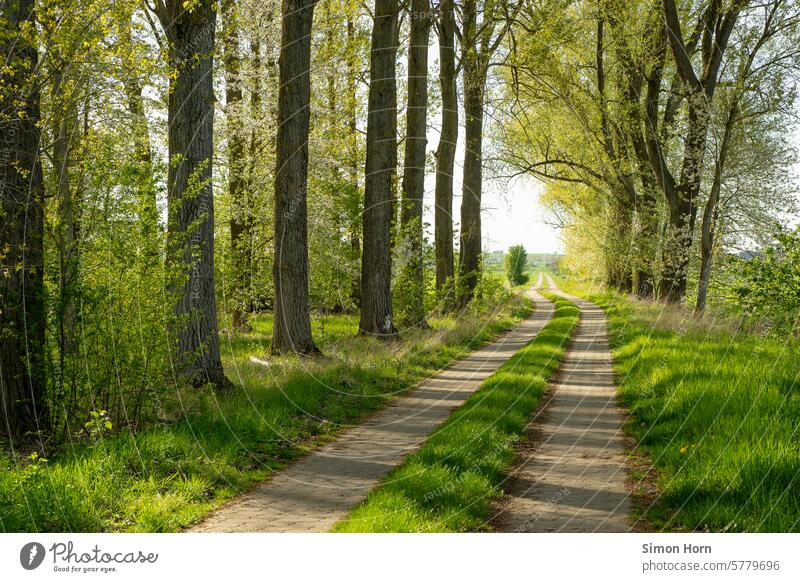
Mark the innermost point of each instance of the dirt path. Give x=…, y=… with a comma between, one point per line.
x=319, y=490
x=571, y=477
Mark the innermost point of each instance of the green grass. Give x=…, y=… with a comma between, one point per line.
x=718, y=414
x=448, y=484
x=210, y=448
x=501, y=277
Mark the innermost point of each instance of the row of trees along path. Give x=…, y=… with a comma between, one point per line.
x=187, y=31
x=319, y=490
x=571, y=479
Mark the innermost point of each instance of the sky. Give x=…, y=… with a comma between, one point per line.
x=511, y=212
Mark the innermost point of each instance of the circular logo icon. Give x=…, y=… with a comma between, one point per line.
x=31, y=555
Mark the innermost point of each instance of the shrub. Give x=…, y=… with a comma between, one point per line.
x=516, y=263
x=770, y=288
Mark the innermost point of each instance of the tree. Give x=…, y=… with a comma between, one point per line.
x=353, y=156
x=516, y=263
x=292, y=320
x=475, y=68
x=446, y=152
x=571, y=128
x=380, y=175
x=413, y=187
x=481, y=35
x=682, y=195
x=190, y=30
x=754, y=99
x=22, y=325
x=637, y=131
x=241, y=207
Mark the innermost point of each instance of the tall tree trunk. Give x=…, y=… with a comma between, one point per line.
x=64, y=129
x=446, y=153
x=475, y=71
x=683, y=205
x=711, y=211
x=353, y=158
x=148, y=207
x=717, y=26
x=380, y=175
x=470, y=240
x=619, y=231
x=190, y=31
x=644, y=240
x=241, y=207
x=244, y=230
x=707, y=233
x=22, y=380
x=619, y=268
x=292, y=320
x=414, y=159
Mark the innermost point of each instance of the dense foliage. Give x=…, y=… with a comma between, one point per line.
x=770, y=285
x=662, y=131
x=516, y=262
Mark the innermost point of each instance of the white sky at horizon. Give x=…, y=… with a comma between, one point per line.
x=510, y=209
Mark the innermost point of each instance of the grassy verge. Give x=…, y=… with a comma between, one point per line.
x=718, y=414
x=448, y=484
x=210, y=448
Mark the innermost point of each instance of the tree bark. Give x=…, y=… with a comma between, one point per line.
x=67, y=231
x=619, y=270
x=380, y=175
x=190, y=232
x=475, y=71
x=292, y=320
x=683, y=204
x=716, y=29
x=711, y=211
x=244, y=231
x=446, y=154
x=710, y=215
x=413, y=187
x=22, y=381
x=148, y=207
x=241, y=206
x=646, y=221
x=351, y=106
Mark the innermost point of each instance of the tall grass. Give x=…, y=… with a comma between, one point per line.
x=210, y=448
x=448, y=484
x=718, y=413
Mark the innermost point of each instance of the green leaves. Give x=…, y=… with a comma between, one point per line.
x=771, y=286
x=98, y=424
x=516, y=262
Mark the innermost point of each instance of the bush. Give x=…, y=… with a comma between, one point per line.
x=770, y=287
x=516, y=263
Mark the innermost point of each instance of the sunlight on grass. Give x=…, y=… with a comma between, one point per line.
x=448, y=484
x=717, y=412
x=213, y=447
